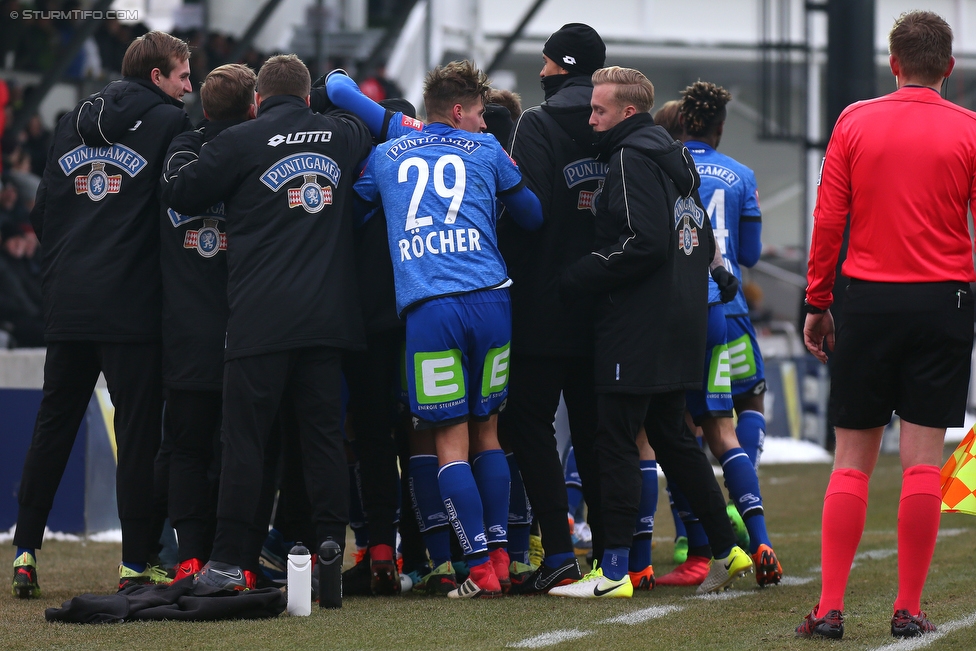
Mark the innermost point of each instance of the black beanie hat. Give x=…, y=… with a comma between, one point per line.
x=577, y=48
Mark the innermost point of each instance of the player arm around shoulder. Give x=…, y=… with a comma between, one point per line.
x=524, y=207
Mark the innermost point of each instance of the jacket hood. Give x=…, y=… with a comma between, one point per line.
x=104, y=117
x=639, y=132
x=570, y=108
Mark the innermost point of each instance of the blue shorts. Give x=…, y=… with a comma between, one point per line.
x=745, y=359
x=714, y=399
x=457, y=357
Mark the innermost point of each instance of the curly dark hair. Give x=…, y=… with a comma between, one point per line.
x=703, y=107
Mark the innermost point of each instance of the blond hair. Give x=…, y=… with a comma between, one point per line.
x=632, y=88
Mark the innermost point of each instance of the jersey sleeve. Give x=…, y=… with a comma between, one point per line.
x=508, y=178
x=402, y=125
x=829, y=218
x=750, y=225
x=366, y=186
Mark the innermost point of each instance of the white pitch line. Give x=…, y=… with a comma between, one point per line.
x=796, y=580
x=722, y=596
x=946, y=533
x=876, y=554
x=643, y=615
x=910, y=644
x=550, y=638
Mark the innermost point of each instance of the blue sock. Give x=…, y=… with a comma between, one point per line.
x=462, y=501
x=615, y=563
x=135, y=567
x=640, y=549
x=519, y=515
x=743, y=485
x=555, y=560
x=425, y=495
x=751, y=432
x=26, y=550
x=491, y=474
x=573, y=485
x=693, y=528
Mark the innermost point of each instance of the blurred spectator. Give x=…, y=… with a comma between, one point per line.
x=37, y=46
x=10, y=33
x=20, y=279
x=378, y=88
x=36, y=142
x=758, y=314
x=113, y=37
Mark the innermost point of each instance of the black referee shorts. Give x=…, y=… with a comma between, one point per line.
x=904, y=348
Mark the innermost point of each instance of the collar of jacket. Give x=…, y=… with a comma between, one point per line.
x=211, y=128
x=154, y=88
x=614, y=137
x=555, y=83
x=279, y=100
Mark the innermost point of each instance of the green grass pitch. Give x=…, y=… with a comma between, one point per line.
x=667, y=618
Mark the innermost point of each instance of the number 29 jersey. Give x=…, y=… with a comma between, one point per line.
x=728, y=191
x=438, y=190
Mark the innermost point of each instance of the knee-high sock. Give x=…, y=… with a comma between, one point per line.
x=519, y=515
x=697, y=540
x=640, y=549
x=743, y=485
x=425, y=496
x=845, y=508
x=918, y=524
x=751, y=432
x=462, y=501
x=574, y=490
x=490, y=470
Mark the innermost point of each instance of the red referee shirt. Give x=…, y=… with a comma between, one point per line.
x=904, y=167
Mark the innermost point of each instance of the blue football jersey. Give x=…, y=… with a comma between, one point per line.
x=728, y=190
x=438, y=190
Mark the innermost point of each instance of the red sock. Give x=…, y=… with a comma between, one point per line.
x=918, y=524
x=845, y=507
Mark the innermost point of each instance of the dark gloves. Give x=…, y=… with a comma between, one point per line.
x=728, y=284
x=319, y=100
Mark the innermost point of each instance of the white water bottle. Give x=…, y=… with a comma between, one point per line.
x=299, y=581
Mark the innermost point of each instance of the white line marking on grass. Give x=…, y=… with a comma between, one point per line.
x=722, y=596
x=643, y=615
x=910, y=644
x=549, y=639
x=796, y=580
x=946, y=533
x=876, y=554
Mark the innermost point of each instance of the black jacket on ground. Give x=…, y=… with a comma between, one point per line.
x=175, y=601
x=649, y=273
x=553, y=146
x=97, y=214
x=193, y=255
x=286, y=181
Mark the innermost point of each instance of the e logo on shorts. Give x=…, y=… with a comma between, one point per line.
x=719, y=370
x=439, y=376
x=742, y=359
x=495, y=376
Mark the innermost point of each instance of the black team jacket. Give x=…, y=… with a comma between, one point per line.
x=97, y=214
x=649, y=272
x=553, y=146
x=193, y=255
x=286, y=181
